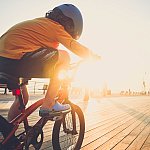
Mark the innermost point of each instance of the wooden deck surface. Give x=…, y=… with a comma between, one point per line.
x=112, y=123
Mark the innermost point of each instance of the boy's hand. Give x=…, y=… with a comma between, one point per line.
x=95, y=57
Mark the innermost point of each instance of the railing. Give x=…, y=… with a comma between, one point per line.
x=4, y=86
x=39, y=86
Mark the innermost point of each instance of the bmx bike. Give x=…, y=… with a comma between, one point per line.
x=68, y=130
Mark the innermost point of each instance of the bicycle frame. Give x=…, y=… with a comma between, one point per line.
x=25, y=113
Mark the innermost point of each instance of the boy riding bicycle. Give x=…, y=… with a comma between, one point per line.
x=29, y=49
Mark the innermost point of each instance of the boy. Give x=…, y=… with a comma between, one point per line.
x=29, y=49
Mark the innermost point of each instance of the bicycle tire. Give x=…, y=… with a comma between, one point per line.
x=68, y=141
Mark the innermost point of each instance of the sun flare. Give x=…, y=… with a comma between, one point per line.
x=90, y=75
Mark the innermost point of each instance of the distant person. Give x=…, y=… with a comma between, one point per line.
x=30, y=49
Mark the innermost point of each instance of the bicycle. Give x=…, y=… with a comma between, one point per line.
x=68, y=130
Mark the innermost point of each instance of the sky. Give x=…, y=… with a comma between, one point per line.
x=118, y=30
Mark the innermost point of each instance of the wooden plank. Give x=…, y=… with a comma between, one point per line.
x=112, y=142
x=146, y=145
x=121, y=129
x=109, y=114
x=139, y=141
x=123, y=144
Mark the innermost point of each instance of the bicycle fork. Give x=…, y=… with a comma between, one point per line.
x=73, y=121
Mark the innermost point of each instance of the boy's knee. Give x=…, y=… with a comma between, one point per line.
x=64, y=57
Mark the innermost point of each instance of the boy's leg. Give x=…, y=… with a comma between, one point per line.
x=43, y=61
x=11, y=67
x=14, y=109
x=62, y=63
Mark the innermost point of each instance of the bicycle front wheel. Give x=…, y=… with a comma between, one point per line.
x=68, y=133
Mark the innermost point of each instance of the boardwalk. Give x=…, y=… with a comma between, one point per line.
x=112, y=123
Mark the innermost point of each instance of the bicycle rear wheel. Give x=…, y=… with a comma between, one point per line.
x=68, y=133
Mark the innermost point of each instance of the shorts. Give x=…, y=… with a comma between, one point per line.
x=37, y=64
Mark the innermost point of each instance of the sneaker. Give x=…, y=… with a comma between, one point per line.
x=56, y=110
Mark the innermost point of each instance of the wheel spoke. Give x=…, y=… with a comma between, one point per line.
x=69, y=132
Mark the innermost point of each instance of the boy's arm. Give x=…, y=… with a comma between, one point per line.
x=66, y=40
x=79, y=49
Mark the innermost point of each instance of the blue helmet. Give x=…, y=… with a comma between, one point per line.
x=73, y=13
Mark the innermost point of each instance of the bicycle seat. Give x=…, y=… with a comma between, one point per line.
x=12, y=82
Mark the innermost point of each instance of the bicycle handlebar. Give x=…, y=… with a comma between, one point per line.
x=74, y=66
x=94, y=57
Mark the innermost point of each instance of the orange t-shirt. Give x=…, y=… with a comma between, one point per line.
x=33, y=34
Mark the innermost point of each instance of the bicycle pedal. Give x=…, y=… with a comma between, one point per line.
x=22, y=137
x=56, y=118
x=53, y=113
